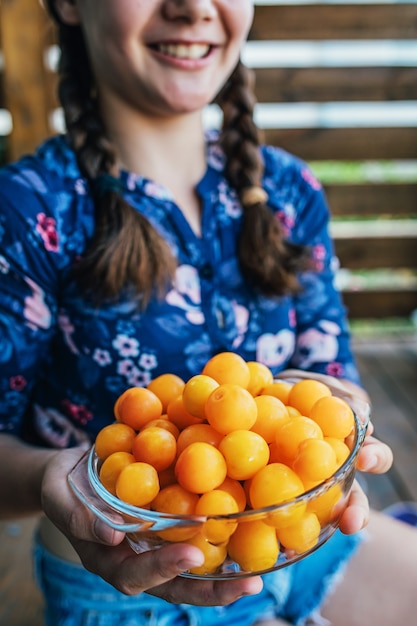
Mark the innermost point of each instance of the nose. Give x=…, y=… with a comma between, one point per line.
x=190, y=10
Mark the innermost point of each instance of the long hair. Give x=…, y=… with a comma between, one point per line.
x=267, y=260
x=126, y=251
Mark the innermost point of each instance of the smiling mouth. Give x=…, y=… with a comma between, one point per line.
x=184, y=51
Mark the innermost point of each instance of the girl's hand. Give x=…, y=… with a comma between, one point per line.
x=375, y=456
x=105, y=552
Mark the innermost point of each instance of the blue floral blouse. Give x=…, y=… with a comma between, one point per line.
x=64, y=362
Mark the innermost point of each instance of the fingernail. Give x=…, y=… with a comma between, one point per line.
x=103, y=532
x=186, y=564
x=255, y=587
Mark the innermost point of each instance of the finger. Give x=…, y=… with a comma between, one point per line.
x=351, y=392
x=158, y=572
x=134, y=573
x=63, y=508
x=375, y=456
x=294, y=373
x=356, y=515
x=336, y=383
x=369, y=428
x=118, y=564
x=209, y=593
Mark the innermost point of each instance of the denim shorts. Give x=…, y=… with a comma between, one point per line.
x=75, y=597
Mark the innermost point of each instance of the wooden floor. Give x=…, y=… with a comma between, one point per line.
x=20, y=599
x=389, y=370
x=388, y=367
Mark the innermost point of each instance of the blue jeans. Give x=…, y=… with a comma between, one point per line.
x=76, y=597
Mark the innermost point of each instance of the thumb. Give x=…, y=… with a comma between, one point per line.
x=63, y=507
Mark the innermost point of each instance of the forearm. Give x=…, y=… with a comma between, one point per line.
x=355, y=390
x=21, y=472
x=343, y=383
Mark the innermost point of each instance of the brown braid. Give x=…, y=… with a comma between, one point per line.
x=126, y=251
x=268, y=261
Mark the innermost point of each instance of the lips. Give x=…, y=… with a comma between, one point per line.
x=184, y=51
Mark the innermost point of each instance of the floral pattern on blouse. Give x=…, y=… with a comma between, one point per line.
x=63, y=362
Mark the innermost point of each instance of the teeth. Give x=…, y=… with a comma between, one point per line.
x=183, y=51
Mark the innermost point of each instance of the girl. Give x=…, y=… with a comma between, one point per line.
x=139, y=243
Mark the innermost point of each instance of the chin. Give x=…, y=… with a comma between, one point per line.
x=189, y=102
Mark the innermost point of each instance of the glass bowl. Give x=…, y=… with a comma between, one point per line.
x=147, y=529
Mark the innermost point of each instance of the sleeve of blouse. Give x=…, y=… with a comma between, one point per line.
x=28, y=241
x=322, y=330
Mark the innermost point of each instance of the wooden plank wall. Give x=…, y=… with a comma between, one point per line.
x=316, y=83
x=26, y=86
x=27, y=90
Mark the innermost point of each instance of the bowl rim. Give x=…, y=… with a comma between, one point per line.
x=109, y=508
